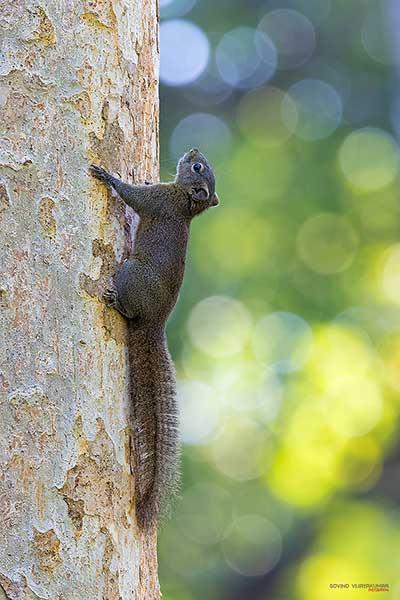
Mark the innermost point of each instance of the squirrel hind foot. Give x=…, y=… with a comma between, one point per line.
x=110, y=298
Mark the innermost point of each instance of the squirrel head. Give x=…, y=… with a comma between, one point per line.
x=196, y=176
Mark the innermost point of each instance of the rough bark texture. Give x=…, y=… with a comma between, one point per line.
x=78, y=84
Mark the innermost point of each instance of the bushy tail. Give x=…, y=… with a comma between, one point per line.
x=155, y=422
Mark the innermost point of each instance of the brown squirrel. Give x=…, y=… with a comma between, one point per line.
x=145, y=290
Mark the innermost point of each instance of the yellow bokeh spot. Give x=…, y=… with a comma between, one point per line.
x=391, y=274
x=369, y=159
x=360, y=465
x=326, y=243
x=389, y=350
x=338, y=350
x=304, y=470
x=322, y=576
x=297, y=479
x=219, y=326
x=352, y=405
x=234, y=244
x=260, y=117
x=237, y=449
x=354, y=547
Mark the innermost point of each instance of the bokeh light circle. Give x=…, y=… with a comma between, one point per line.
x=208, y=89
x=282, y=340
x=315, y=571
x=395, y=115
x=353, y=405
x=315, y=10
x=269, y=396
x=231, y=251
x=332, y=73
x=369, y=159
x=319, y=109
x=247, y=387
x=336, y=346
x=219, y=326
x=292, y=34
x=199, y=503
x=238, y=448
x=260, y=117
x=175, y=8
x=184, y=52
x=391, y=274
x=375, y=37
x=245, y=57
x=252, y=545
x=327, y=243
x=389, y=350
x=362, y=466
x=204, y=131
x=199, y=414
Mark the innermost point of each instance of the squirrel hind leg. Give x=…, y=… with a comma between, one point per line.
x=110, y=297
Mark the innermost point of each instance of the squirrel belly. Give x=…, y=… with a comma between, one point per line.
x=154, y=422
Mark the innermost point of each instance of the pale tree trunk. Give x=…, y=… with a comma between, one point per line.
x=78, y=84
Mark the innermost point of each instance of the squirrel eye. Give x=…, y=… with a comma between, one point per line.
x=197, y=167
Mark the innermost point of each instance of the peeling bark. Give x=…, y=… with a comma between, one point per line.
x=78, y=84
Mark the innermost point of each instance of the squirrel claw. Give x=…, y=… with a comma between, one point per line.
x=99, y=173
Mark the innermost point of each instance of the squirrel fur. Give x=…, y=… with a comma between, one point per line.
x=145, y=290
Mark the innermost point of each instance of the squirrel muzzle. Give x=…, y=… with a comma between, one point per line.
x=215, y=200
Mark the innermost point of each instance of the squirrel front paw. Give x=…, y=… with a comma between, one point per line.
x=100, y=174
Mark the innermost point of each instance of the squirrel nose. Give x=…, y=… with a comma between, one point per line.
x=215, y=200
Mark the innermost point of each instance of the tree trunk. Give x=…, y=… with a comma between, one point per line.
x=78, y=84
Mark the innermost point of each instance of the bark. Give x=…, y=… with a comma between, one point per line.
x=78, y=84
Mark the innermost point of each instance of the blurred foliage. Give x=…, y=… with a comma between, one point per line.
x=287, y=333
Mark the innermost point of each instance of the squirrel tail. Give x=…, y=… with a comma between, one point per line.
x=154, y=422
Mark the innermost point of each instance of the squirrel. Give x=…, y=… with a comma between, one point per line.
x=145, y=290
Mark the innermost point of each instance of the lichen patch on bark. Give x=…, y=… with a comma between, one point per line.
x=96, y=288
x=17, y=590
x=43, y=32
x=4, y=198
x=9, y=590
x=111, y=591
x=97, y=485
x=47, y=550
x=46, y=217
x=110, y=320
x=76, y=510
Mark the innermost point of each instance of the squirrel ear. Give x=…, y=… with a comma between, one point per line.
x=200, y=193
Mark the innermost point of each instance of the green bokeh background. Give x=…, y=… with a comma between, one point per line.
x=287, y=332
